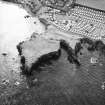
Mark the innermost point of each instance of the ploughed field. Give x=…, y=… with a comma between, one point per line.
x=65, y=77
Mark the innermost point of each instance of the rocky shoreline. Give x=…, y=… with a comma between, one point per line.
x=55, y=73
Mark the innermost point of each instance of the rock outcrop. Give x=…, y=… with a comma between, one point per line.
x=55, y=72
x=31, y=51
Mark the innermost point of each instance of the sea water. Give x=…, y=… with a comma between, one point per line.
x=15, y=27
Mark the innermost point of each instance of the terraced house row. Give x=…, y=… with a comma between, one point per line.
x=69, y=16
x=82, y=20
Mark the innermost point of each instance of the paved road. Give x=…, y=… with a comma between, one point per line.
x=99, y=4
